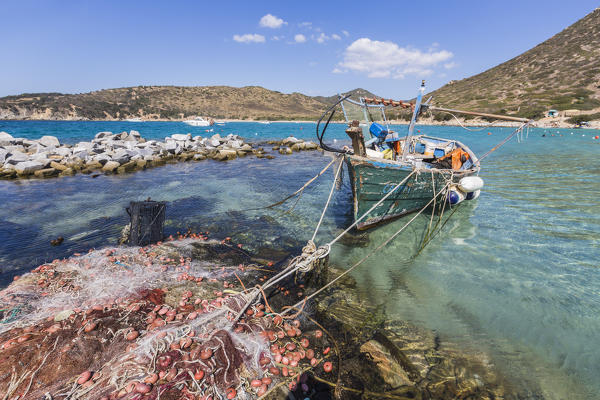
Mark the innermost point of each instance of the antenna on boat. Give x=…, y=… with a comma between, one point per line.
x=413, y=120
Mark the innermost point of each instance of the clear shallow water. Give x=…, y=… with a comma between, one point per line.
x=516, y=273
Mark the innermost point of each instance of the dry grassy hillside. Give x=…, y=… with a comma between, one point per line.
x=164, y=102
x=561, y=73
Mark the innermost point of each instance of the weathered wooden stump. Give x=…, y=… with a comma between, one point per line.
x=147, y=222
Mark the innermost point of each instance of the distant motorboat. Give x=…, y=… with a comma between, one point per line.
x=264, y=122
x=137, y=119
x=199, y=121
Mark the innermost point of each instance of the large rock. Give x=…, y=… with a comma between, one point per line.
x=83, y=146
x=41, y=158
x=13, y=148
x=290, y=140
x=298, y=146
x=3, y=155
x=5, y=136
x=81, y=154
x=17, y=157
x=28, y=167
x=49, y=141
x=181, y=137
x=103, y=135
x=391, y=371
x=46, y=173
x=102, y=158
x=122, y=156
x=310, y=146
x=62, y=151
x=110, y=166
x=223, y=155
x=58, y=166
x=5, y=139
x=127, y=167
x=173, y=147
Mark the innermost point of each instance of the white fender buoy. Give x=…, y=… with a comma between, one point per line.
x=470, y=184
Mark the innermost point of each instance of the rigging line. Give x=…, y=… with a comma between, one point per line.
x=469, y=129
x=496, y=147
x=370, y=254
x=297, y=263
x=311, y=180
x=337, y=174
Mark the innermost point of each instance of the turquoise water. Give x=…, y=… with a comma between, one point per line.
x=514, y=274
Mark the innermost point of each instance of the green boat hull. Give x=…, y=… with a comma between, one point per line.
x=372, y=179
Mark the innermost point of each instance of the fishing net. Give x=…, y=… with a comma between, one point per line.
x=147, y=322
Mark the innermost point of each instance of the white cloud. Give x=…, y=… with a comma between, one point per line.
x=450, y=65
x=271, y=21
x=300, y=38
x=387, y=59
x=249, y=38
x=312, y=64
x=336, y=37
x=322, y=38
x=305, y=25
x=346, y=33
x=337, y=71
x=276, y=38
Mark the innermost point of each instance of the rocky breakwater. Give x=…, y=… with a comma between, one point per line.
x=117, y=153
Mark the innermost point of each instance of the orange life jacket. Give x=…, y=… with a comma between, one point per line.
x=458, y=157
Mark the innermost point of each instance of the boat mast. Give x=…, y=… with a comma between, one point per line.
x=413, y=120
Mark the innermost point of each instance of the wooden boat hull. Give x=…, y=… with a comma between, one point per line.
x=372, y=179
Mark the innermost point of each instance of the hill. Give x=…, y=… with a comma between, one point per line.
x=562, y=73
x=165, y=102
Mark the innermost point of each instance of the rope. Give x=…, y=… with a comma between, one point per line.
x=337, y=174
x=311, y=180
x=373, y=251
x=496, y=147
x=311, y=253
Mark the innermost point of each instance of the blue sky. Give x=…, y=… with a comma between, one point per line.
x=313, y=47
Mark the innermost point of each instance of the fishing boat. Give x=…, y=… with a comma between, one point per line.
x=199, y=121
x=392, y=175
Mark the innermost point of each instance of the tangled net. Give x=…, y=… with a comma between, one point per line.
x=145, y=323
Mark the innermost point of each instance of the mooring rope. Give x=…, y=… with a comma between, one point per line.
x=311, y=253
x=385, y=243
x=335, y=179
x=311, y=180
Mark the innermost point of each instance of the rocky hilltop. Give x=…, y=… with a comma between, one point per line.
x=167, y=102
x=562, y=73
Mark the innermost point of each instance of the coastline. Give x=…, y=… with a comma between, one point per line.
x=544, y=123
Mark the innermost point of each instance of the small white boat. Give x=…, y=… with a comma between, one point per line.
x=137, y=119
x=199, y=121
x=264, y=122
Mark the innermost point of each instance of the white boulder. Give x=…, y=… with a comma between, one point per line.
x=28, y=167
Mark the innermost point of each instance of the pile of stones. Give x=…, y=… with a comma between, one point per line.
x=120, y=153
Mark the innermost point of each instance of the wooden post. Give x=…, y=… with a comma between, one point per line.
x=147, y=221
x=358, y=140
